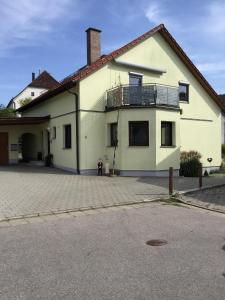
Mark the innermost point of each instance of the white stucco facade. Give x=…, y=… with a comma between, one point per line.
x=29, y=92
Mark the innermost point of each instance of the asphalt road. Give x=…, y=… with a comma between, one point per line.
x=105, y=256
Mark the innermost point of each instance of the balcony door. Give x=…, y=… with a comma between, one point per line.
x=135, y=88
x=135, y=79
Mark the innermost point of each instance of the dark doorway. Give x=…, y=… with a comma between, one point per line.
x=4, y=152
x=28, y=147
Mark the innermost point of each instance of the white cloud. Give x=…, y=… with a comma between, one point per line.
x=213, y=67
x=154, y=13
x=215, y=21
x=157, y=12
x=26, y=22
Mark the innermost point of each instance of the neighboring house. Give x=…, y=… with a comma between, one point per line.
x=147, y=96
x=38, y=86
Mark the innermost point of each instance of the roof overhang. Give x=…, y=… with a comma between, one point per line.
x=142, y=67
x=23, y=120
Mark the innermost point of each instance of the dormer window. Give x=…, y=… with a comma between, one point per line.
x=32, y=94
x=183, y=92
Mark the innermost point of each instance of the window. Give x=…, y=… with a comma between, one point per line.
x=135, y=79
x=113, y=134
x=138, y=133
x=166, y=133
x=32, y=94
x=183, y=92
x=67, y=136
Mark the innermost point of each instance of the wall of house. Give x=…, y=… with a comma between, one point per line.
x=197, y=128
x=200, y=118
x=168, y=156
x=15, y=132
x=27, y=94
x=61, y=110
x=223, y=129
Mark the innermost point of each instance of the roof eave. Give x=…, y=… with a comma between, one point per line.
x=191, y=66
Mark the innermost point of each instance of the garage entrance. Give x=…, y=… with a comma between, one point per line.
x=4, y=158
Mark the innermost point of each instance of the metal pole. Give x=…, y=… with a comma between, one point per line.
x=200, y=176
x=171, y=181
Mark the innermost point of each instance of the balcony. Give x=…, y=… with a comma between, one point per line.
x=145, y=95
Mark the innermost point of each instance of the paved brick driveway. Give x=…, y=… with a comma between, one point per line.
x=26, y=190
x=211, y=198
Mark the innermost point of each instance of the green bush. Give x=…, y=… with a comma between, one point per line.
x=190, y=163
x=7, y=112
x=223, y=149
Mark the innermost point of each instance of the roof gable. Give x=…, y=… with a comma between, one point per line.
x=103, y=60
x=45, y=81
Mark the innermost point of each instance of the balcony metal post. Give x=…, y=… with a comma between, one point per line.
x=155, y=93
x=122, y=91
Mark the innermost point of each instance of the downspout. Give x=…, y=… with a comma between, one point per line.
x=77, y=129
x=114, y=153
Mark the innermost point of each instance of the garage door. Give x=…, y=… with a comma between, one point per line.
x=4, y=159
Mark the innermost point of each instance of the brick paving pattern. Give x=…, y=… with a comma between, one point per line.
x=211, y=198
x=26, y=190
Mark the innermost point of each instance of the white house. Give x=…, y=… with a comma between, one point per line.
x=136, y=108
x=38, y=86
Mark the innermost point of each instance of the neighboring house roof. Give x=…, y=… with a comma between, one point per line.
x=44, y=81
x=70, y=81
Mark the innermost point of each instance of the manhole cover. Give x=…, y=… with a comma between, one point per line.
x=156, y=242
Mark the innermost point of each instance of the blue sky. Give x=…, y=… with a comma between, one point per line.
x=50, y=34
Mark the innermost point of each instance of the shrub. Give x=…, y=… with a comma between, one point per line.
x=190, y=163
x=7, y=112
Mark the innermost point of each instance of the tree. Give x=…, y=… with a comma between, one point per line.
x=7, y=112
x=25, y=101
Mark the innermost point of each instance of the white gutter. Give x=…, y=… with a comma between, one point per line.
x=151, y=69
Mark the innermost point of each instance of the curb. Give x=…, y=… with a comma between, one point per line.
x=198, y=206
x=82, y=209
x=208, y=187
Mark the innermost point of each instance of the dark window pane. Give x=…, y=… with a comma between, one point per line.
x=67, y=132
x=135, y=79
x=166, y=134
x=183, y=92
x=138, y=133
x=113, y=134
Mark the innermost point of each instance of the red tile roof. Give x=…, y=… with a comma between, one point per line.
x=45, y=81
x=103, y=60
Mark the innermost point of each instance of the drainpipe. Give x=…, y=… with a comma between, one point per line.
x=77, y=129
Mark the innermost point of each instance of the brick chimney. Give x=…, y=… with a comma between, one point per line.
x=33, y=76
x=93, y=45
